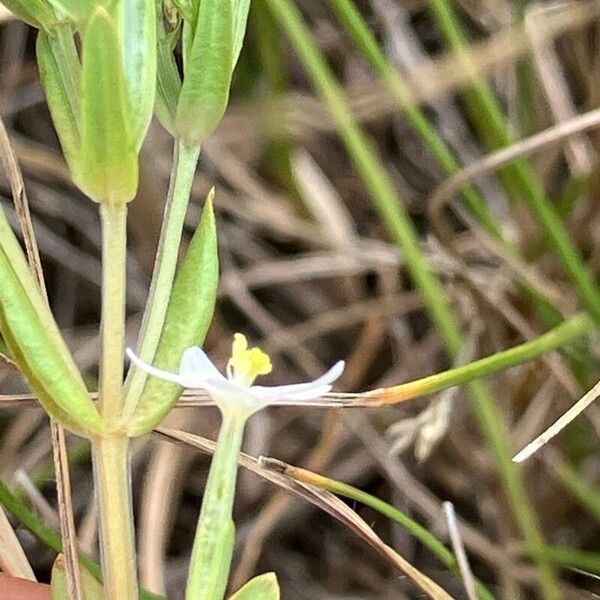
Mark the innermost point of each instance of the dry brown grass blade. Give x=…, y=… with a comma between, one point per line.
x=558, y=425
x=59, y=449
x=553, y=135
x=271, y=470
x=13, y=561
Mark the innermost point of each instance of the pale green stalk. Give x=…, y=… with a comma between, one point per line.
x=400, y=228
x=580, y=489
x=180, y=185
x=213, y=544
x=111, y=454
x=560, y=336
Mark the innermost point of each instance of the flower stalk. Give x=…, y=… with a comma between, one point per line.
x=185, y=159
x=213, y=543
x=111, y=452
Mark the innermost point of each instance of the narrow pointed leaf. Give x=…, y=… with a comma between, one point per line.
x=76, y=10
x=188, y=317
x=208, y=70
x=60, y=73
x=34, y=12
x=35, y=342
x=107, y=169
x=240, y=20
x=168, y=82
x=262, y=587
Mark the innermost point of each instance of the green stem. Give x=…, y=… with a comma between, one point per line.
x=355, y=25
x=114, y=248
x=567, y=332
x=113, y=492
x=391, y=512
x=587, y=495
x=400, y=228
x=111, y=458
x=213, y=544
x=182, y=177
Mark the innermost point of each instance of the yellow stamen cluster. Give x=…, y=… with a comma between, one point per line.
x=248, y=363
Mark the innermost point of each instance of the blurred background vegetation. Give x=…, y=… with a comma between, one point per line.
x=339, y=170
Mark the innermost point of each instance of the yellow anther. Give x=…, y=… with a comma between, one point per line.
x=248, y=363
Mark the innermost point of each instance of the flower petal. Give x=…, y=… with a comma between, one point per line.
x=301, y=391
x=166, y=375
x=227, y=393
x=195, y=368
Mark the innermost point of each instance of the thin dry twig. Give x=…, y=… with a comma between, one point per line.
x=459, y=551
x=558, y=425
x=273, y=471
x=13, y=560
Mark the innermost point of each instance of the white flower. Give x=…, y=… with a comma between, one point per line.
x=236, y=390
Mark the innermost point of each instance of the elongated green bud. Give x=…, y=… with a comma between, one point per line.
x=208, y=69
x=188, y=317
x=107, y=164
x=36, y=345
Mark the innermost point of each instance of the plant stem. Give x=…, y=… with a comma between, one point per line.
x=213, y=544
x=182, y=177
x=562, y=335
x=491, y=420
x=113, y=495
x=114, y=240
x=111, y=454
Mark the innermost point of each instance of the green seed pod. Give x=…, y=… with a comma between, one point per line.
x=188, y=317
x=36, y=345
x=208, y=68
x=138, y=24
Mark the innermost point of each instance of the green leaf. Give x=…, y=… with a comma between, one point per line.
x=240, y=20
x=60, y=73
x=168, y=82
x=107, y=169
x=138, y=23
x=208, y=70
x=91, y=587
x=262, y=587
x=185, y=8
x=76, y=10
x=35, y=342
x=34, y=12
x=188, y=317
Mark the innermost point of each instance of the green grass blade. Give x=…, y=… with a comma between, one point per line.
x=401, y=230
